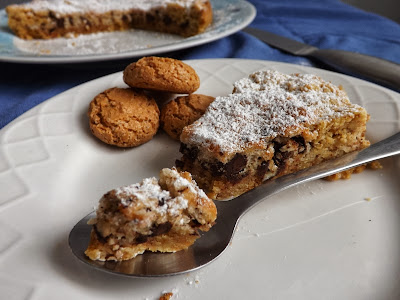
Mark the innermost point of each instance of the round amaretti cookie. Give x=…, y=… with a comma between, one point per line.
x=162, y=74
x=123, y=117
x=183, y=111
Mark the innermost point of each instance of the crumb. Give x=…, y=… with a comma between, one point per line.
x=346, y=174
x=375, y=165
x=45, y=51
x=166, y=296
x=192, y=281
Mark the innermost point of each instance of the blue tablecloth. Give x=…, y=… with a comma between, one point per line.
x=322, y=23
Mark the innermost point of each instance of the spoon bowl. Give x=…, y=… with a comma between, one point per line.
x=156, y=264
x=213, y=243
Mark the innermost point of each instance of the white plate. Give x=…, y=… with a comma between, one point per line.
x=230, y=16
x=319, y=240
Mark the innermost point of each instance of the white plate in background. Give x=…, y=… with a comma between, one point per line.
x=229, y=16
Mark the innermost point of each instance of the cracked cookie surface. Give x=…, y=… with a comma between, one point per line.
x=183, y=111
x=123, y=117
x=162, y=74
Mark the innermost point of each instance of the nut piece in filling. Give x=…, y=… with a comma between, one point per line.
x=271, y=125
x=162, y=215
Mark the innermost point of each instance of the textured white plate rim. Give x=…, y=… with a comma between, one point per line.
x=63, y=285
x=201, y=39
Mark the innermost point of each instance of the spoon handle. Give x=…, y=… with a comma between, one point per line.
x=241, y=204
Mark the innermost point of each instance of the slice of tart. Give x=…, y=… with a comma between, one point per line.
x=45, y=19
x=271, y=125
x=162, y=215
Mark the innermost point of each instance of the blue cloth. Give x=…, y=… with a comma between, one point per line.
x=322, y=23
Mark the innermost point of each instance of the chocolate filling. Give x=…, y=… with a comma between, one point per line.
x=99, y=235
x=217, y=169
x=297, y=145
x=179, y=164
x=232, y=170
x=156, y=230
x=261, y=170
x=161, y=201
x=301, y=143
x=150, y=18
x=167, y=20
x=195, y=223
x=141, y=239
x=191, y=153
x=59, y=22
x=161, y=228
x=235, y=167
x=280, y=159
x=184, y=25
x=236, y=164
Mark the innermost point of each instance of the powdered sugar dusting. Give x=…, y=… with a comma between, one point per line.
x=150, y=193
x=100, y=6
x=265, y=105
x=147, y=189
x=180, y=183
x=98, y=43
x=152, y=196
x=177, y=181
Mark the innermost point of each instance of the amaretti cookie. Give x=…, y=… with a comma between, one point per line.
x=273, y=124
x=162, y=215
x=162, y=74
x=182, y=111
x=123, y=117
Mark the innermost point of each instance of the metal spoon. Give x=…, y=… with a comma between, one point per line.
x=208, y=247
